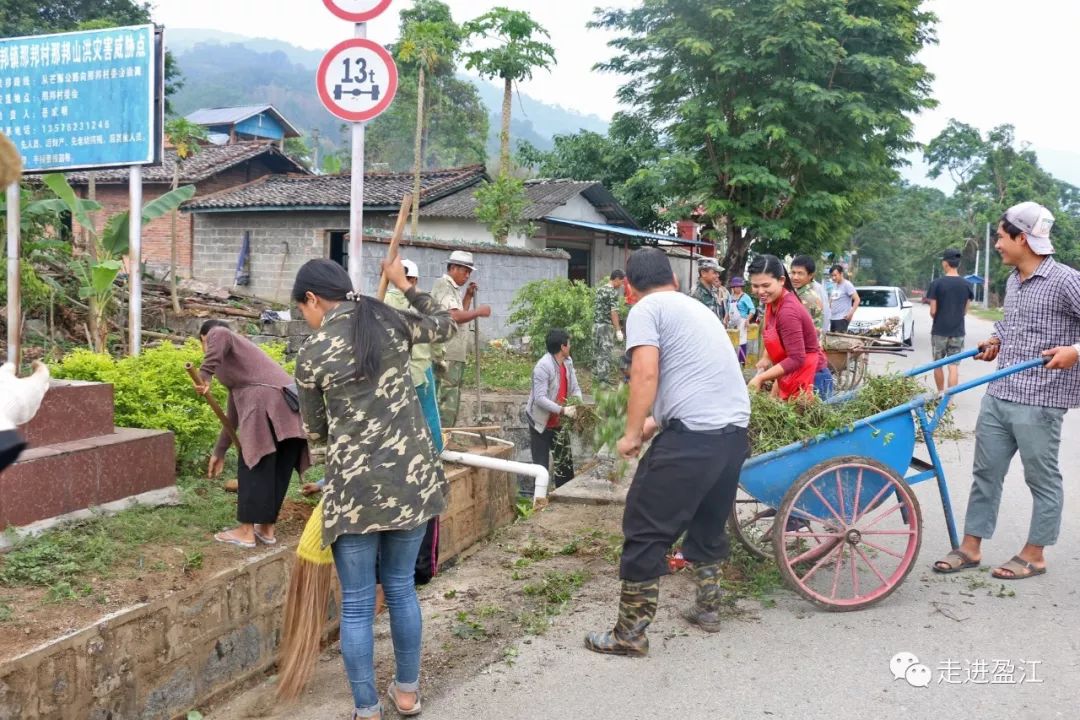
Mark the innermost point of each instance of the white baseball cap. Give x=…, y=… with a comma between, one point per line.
x=1035, y=221
x=463, y=258
x=410, y=269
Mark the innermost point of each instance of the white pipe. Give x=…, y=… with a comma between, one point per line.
x=478, y=437
x=538, y=472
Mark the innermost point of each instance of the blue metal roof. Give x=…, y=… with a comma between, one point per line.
x=642, y=236
x=976, y=279
x=213, y=117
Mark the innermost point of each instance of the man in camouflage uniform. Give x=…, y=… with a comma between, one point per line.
x=808, y=290
x=449, y=359
x=607, y=328
x=708, y=290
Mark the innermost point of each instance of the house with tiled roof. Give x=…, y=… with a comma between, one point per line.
x=212, y=169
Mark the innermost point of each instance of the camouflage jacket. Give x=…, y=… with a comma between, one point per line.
x=811, y=300
x=710, y=298
x=447, y=295
x=381, y=469
x=607, y=299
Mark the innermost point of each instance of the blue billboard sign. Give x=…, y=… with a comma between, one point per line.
x=82, y=100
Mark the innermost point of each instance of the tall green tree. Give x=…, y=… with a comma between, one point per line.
x=787, y=116
x=627, y=161
x=515, y=54
x=992, y=172
x=34, y=17
x=430, y=41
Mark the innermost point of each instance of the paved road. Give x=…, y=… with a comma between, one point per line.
x=793, y=661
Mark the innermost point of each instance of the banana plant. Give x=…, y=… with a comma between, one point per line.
x=98, y=275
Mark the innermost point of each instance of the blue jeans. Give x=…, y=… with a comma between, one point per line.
x=354, y=557
x=823, y=383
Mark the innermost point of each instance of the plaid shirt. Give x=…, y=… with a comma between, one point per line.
x=1041, y=312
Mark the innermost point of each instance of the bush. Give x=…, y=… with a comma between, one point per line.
x=153, y=391
x=545, y=304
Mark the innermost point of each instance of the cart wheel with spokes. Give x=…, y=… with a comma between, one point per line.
x=751, y=523
x=852, y=531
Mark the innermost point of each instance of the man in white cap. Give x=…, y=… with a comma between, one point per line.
x=449, y=359
x=1024, y=411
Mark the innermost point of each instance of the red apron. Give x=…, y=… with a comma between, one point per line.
x=795, y=383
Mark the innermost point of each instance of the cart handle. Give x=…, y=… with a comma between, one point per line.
x=996, y=375
x=923, y=369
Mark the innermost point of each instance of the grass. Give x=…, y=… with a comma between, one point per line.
x=992, y=314
x=69, y=560
x=509, y=371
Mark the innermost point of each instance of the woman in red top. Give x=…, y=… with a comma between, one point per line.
x=798, y=364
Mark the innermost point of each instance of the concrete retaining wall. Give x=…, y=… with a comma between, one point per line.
x=158, y=660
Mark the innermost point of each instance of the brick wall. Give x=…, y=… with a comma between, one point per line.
x=218, y=236
x=157, y=235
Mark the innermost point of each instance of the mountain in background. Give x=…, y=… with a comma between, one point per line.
x=222, y=69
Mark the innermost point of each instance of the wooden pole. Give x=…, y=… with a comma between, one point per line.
x=229, y=429
x=395, y=240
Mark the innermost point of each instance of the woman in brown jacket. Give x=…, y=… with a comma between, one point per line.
x=271, y=434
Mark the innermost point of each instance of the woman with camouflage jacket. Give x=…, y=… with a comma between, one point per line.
x=383, y=478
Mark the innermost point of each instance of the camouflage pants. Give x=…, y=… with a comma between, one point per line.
x=603, y=352
x=450, y=392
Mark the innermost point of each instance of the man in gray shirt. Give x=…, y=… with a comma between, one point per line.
x=687, y=479
x=843, y=300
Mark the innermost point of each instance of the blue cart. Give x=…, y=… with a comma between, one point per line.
x=838, y=513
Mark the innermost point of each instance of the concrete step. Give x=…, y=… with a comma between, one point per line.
x=71, y=410
x=64, y=477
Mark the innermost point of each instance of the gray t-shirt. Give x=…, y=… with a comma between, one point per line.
x=700, y=381
x=840, y=300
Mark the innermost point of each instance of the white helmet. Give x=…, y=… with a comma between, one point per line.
x=410, y=269
x=463, y=258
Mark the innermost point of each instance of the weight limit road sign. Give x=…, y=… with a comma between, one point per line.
x=357, y=80
x=357, y=11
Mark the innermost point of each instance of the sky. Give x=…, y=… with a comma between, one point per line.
x=997, y=61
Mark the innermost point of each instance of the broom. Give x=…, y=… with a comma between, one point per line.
x=310, y=579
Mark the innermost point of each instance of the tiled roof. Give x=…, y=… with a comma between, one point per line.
x=544, y=197
x=209, y=161
x=332, y=191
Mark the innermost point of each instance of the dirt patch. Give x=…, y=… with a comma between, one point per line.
x=477, y=612
x=30, y=616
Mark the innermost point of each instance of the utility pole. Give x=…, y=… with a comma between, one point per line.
x=986, y=270
x=315, y=151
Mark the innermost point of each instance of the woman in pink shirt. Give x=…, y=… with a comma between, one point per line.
x=798, y=364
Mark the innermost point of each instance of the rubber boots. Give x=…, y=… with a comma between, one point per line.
x=637, y=607
x=705, y=612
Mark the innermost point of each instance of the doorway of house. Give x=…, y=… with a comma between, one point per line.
x=580, y=265
x=339, y=248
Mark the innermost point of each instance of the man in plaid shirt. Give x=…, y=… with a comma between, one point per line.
x=1024, y=412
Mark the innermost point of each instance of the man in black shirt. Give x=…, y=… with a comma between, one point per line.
x=949, y=298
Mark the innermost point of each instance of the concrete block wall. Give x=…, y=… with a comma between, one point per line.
x=500, y=271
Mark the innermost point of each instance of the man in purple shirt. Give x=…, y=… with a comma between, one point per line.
x=1023, y=412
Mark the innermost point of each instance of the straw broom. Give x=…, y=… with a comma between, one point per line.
x=311, y=576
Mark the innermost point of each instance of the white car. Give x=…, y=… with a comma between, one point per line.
x=884, y=311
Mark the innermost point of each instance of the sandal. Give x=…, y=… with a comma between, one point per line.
x=1020, y=568
x=955, y=561
x=225, y=537
x=392, y=692
x=265, y=540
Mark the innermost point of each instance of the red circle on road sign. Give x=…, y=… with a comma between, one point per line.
x=374, y=9
x=380, y=91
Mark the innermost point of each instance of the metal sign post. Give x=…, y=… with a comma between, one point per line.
x=357, y=81
x=14, y=316
x=986, y=270
x=135, y=260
